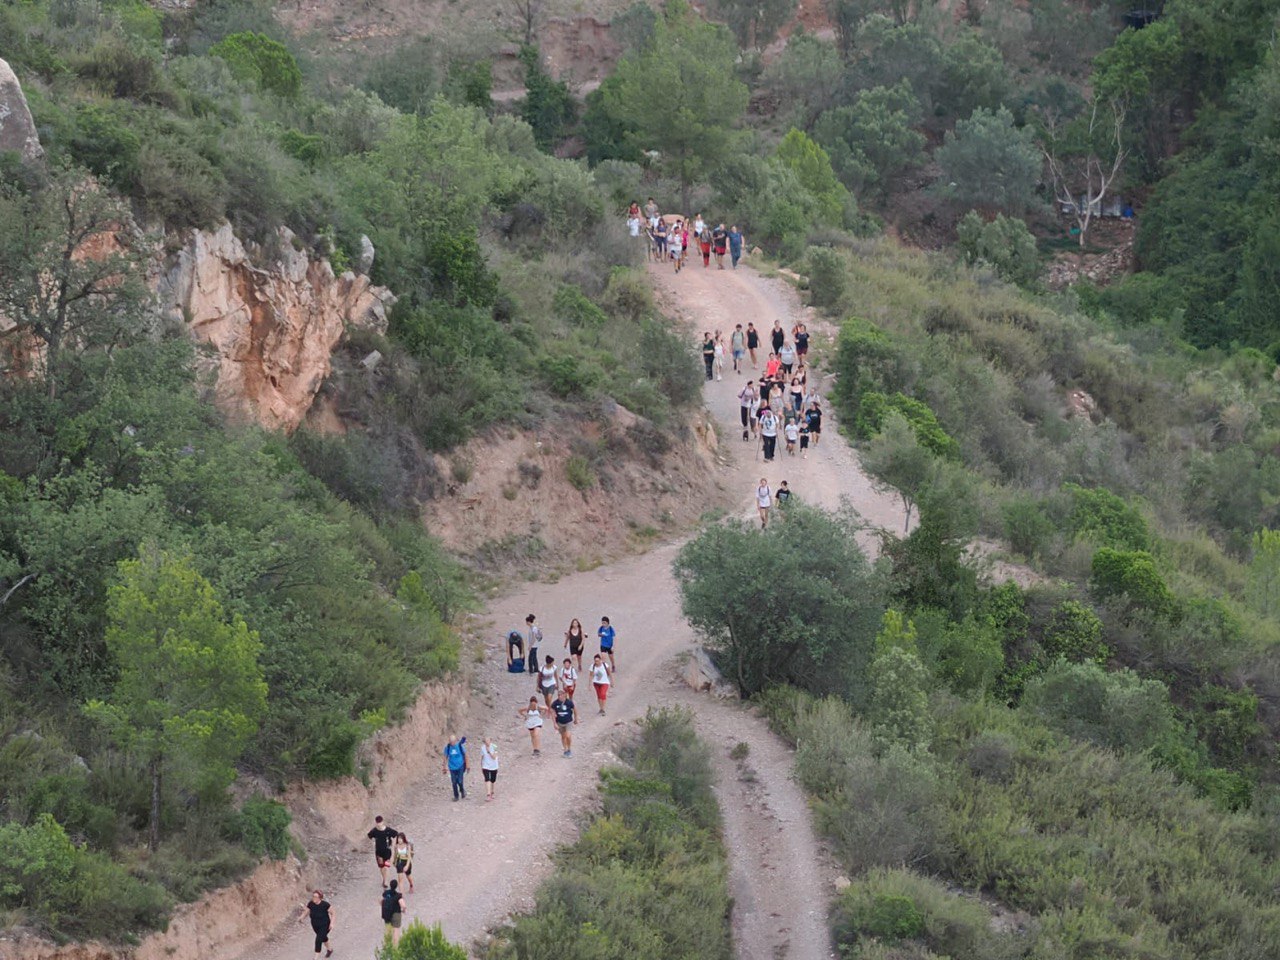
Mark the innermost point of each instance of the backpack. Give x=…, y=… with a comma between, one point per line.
x=516, y=665
x=390, y=904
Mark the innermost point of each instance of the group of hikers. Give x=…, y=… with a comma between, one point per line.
x=674, y=237
x=556, y=685
x=782, y=402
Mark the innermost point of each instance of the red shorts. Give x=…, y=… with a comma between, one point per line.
x=602, y=691
x=569, y=688
x=382, y=861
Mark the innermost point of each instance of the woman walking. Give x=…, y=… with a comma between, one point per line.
x=719, y=355
x=600, y=680
x=532, y=716
x=574, y=640
x=753, y=342
x=489, y=766
x=320, y=913
x=402, y=859
x=547, y=679
x=568, y=678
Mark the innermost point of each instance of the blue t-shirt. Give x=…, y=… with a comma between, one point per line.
x=735, y=240
x=606, y=636
x=564, y=710
x=455, y=754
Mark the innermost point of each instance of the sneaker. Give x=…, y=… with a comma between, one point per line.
x=455, y=799
x=568, y=753
x=329, y=952
x=537, y=753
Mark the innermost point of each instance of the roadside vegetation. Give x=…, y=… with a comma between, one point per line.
x=648, y=876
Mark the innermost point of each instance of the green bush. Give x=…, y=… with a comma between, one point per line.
x=1131, y=574
x=256, y=58
x=1074, y=633
x=72, y=890
x=826, y=270
x=567, y=376
x=875, y=407
x=1005, y=243
x=1117, y=709
x=420, y=942
x=1106, y=519
x=579, y=472
x=896, y=904
x=262, y=827
x=1027, y=527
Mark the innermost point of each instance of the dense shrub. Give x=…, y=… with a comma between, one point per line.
x=262, y=827
x=1131, y=574
x=257, y=59
x=874, y=407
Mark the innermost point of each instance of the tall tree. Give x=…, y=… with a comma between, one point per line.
x=989, y=163
x=190, y=690
x=755, y=23
x=67, y=282
x=679, y=97
x=1085, y=155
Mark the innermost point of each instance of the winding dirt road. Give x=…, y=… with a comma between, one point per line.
x=477, y=863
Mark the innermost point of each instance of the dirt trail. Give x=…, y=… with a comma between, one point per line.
x=478, y=862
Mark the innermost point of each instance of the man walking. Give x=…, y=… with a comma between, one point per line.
x=455, y=764
x=382, y=836
x=738, y=345
x=735, y=245
x=535, y=638
x=566, y=714
x=708, y=354
x=745, y=399
x=607, y=635
x=768, y=432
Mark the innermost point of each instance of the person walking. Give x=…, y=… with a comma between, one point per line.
x=792, y=434
x=777, y=336
x=814, y=418
x=804, y=439
x=787, y=357
x=402, y=859
x=535, y=637
x=383, y=836
x=607, y=635
x=797, y=394
x=699, y=226
x=708, y=353
x=704, y=245
x=532, y=716
x=455, y=764
x=566, y=716
x=768, y=432
x=547, y=681
x=718, y=241
x=745, y=398
x=601, y=680
x=738, y=347
x=783, y=496
x=489, y=766
x=650, y=208
x=753, y=342
x=735, y=239
x=660, y=236
x=801, y=338
x=568, y=678
x=764, y=500
x=320, y=912
x=574, y=640
x=393, y=910
x=719, y=354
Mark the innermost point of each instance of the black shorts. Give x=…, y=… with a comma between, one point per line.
x=490, y=776
x=405, y=868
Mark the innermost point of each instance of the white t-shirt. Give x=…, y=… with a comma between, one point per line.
x=548, y=675
x=533, y=719
x=768, y=424
x=633, y=226
x=488, y=758
x=600, y=674
x=568, y=676
x=699, y=226
x=764, y=497
x=792, y=431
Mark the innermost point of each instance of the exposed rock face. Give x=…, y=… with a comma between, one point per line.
x=17, y=129
x=272, y=330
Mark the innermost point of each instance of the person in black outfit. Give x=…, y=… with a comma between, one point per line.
x=383, y=837
x=753, y=342
x=802, y=342
x=708, y=354
x=779, y=337
x=320, y=912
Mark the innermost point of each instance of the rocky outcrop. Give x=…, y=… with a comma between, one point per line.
x=17, y=129
x=272, y=330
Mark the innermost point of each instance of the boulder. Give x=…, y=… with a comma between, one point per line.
x=701, y=674
x=367, y=254
x=17, y=129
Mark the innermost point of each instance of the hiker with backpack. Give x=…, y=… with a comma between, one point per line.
x=535, y=638
x=393, y=910
x=455, y=764
x=746, y=399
